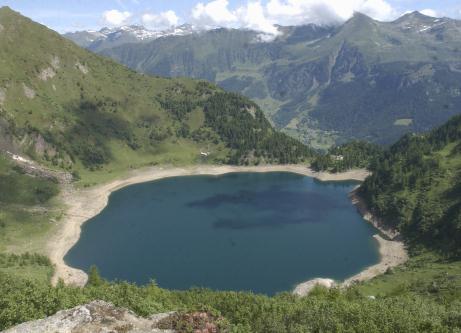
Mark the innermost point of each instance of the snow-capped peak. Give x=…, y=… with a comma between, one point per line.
x=139, y=32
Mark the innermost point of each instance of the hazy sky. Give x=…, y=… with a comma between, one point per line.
x=62, y=15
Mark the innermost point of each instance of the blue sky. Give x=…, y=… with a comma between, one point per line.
x=62, y=15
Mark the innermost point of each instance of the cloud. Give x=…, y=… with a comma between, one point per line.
x=295, y=12
x=115, y=17
x=429, y=12
x=214, y=13
x=160, y=21
x=253, y=16
x=264, y=17
x=378, y=9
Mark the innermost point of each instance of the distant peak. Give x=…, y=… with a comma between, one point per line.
x=416, y=13
x=360, y=17
x=7, y=10
x=414, y=16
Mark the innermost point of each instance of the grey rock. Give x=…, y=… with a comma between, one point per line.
x=95, y=317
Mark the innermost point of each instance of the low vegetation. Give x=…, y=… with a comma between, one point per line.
x=402, y=310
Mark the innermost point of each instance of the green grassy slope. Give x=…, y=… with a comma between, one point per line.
x=72, y=109
x=365, y=79
x=428, y=274
x=28, y=209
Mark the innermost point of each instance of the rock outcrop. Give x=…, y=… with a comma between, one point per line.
x=104, y=317
x=95, y=317
x=303, y=289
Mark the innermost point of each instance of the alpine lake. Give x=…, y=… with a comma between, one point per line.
x=260, y=232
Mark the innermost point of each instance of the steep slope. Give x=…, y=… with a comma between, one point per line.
x=416, y=187
x=67, y=107
x=365, y=79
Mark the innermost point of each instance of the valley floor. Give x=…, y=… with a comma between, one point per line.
x=86, y=203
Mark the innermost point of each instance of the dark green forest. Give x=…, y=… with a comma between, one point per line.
x=249, y=133
x=355, y=154
x=415, y=187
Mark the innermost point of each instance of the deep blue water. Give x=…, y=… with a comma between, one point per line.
x=263, y=232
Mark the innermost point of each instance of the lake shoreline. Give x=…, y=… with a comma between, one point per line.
x=84, y=204
x=392, y=252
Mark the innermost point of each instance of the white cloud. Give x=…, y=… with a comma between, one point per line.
x=160, y=21
x=214, y=13
x=378, y=9
x=429, y=12
x=115, y=17
x=294, y=12
x=253, y=16
x=263, y=17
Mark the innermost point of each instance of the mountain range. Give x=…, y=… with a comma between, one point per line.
x=110, y=37
x=364, y=79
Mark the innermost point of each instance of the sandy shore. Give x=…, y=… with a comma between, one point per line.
x=86, y=203
x=392, y=254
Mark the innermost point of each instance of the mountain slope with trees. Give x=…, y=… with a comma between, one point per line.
x=416, y=187
x=68, y=108
x=365, y=79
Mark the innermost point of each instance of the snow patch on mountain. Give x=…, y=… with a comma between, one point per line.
x=137, y=32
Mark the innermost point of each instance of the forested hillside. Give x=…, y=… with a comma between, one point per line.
x=71, y=109
x=365, y=79
x=354, y=154
x=250, y=132
x=416, y=187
